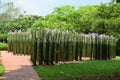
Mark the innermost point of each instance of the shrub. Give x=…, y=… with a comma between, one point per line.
x=3, y=46
x=3, y=38
x=1, y=69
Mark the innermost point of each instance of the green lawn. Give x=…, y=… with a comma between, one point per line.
x=79, y=70
x=1, y=70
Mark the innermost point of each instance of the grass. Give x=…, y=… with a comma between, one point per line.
x=83, y=69
x=1, y=70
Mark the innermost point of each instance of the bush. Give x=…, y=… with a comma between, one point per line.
x=1, y=70
x=3, y=38
x=3, y=46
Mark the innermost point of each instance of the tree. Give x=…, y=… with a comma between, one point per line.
x=117, y=1
x=12, y=19
x=62, y=18
x=87, y=18
x=9, y=11
x=25, y=22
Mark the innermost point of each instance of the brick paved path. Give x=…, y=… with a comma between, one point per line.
x=17, y=67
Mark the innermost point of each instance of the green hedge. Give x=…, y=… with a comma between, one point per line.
x=49, y=46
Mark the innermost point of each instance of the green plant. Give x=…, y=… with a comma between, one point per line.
x=1, y=70
x=3, y=46
x=53, y=45
x=3, y=38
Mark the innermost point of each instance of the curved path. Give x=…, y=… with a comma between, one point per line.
x=17, y=67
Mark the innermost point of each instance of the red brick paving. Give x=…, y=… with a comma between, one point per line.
x=17, y=67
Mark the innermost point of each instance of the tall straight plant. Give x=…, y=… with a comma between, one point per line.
x=49, y=46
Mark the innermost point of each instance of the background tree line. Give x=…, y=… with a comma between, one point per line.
x=12, y=19
x=101, y=19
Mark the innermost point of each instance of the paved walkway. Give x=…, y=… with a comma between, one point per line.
x=17, y=67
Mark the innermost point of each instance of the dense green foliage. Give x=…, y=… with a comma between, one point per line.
x=8, y=12
x=11, y=19
x=3, y=46
x=21, y=23
x=48, y=46
x=3, y=37
x=1, y=70
x=101, y=19
x=79, y=70
x=117, y=1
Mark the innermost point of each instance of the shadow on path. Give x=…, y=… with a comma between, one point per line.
x=17, y=67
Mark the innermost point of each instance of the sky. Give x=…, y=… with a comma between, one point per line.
x=44, y=7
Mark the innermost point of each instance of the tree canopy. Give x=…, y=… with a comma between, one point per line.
x=117, y=1
x=102, y=19
x=8, y=11
x=11, y=19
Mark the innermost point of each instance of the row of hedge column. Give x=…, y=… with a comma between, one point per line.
x=52, y=46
